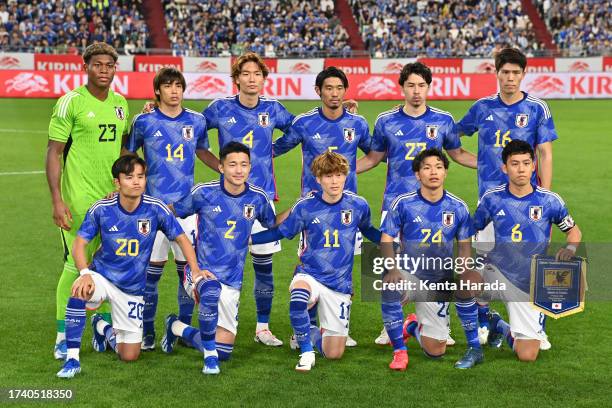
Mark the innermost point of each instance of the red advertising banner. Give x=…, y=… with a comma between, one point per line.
x=607, y=64
x=350, y=65
x=51, y=62
x=443, y=65
x=153, y=63
x=385, y=87
x=138, y=85
x=540, y=65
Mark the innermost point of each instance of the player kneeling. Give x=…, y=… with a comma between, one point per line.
x=329, y=221
x=127, y=224
x=226, y=210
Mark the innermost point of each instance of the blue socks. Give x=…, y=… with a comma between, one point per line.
x=483, y=315
x=300, y=321
x=224, y=350
x=264, y=286
x=151, y=297
x=185, y=303
x=75, y=323
x=467, y=310
x=393, y=318
x=504, y=328
x=209, y=291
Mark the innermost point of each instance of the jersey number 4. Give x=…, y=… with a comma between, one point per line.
x=108, y=133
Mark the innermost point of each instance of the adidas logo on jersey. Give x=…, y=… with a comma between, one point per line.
x=417, y=219
x=113, y=229
x=399, y=133
x=158, y=134
x=490, y=117
x=315, y=221
x=91, y=115
x=501, y=213
x=232, y=120
x=217, y=209
x=317, y=137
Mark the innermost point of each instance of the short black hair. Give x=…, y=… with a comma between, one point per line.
x=431, y=152
x=517, y=146
x=510, y=56
x=168, y=75
x=233, y=147
x=126, y=164
x=417, y=68
x=331, y=72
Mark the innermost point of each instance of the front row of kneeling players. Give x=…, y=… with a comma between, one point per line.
x=329, y=221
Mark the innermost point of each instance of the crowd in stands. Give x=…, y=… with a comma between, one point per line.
x=295, y=28
x=68, y=26
x=579, y=27
x=443, y=28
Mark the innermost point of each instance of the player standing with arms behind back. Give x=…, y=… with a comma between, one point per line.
x=509, y=115
x=86, y=130
x=250, y=118
x=171, y=137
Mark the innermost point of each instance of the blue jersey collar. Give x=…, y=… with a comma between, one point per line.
x=429, y=202
x=325, y=118
x=227, y=193
x=319, y=196
x=237, y=97
x=166, y=117
x=527, y=197
x=421, y=116
x=499, y=99
x=123, y=210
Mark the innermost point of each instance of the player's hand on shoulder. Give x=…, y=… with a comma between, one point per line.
x=351, y=105
x=111, y=195
x=62, y=217
x=149, y=106
x=83, y=287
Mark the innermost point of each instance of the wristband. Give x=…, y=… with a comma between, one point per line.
x=85, y=271
x=572, y=248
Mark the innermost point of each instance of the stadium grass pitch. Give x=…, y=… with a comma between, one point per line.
x=574, y=373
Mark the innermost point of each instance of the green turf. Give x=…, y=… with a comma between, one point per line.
x=574, y=373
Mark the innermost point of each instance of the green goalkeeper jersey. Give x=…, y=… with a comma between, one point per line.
x=92, y=130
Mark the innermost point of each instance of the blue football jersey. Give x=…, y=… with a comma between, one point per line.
x=318, y=134
x=497, y=124
x=224, y=226
x=253, y=127
x=329, y=236
x=169, y=146
x=402, y=137
x=428, y=230
x=522, y=228
x=127, y=239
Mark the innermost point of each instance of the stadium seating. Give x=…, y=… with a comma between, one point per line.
x=65, y=26
x=222, y=27
x=579, y=28
x=435, y=28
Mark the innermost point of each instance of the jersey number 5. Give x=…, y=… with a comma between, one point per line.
x=112, y=132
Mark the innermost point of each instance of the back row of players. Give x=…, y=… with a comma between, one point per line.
x=87, y=125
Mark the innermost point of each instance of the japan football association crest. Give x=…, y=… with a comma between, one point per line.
x=535, y=212
x=249, y=211
x=347, y=217
x=431, y=131
x=349, y=134
x=522, y=119
x=144, y=227
x=264, y=119
x=119, y=112
x=448, y=218
x=188, y=133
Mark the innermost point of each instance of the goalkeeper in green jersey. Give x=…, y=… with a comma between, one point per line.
x=85, y=138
